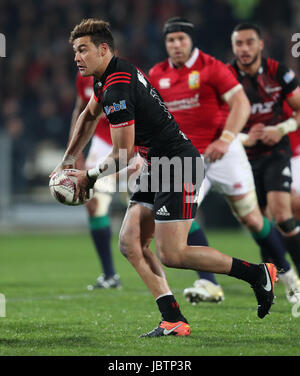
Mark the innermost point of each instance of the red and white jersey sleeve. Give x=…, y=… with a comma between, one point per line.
x=293, y=136
x=194, y=95
x=85, y=90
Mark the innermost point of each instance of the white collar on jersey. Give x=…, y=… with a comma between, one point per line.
x=191, y=61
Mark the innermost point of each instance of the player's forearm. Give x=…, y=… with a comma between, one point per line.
x=75, y=116
x=238, y=115
x=84, y=129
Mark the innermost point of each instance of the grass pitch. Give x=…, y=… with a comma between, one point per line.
x=50, y=312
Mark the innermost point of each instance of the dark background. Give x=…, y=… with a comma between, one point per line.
x=37, y=76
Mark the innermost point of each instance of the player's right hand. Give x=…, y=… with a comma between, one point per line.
x=83, y=185
x=216, y=150
x=256, y=133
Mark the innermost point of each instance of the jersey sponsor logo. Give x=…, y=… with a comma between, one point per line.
x=164, y=83
x=184, y=104
x=289, y=76
x=274, y=89
x=121, y=125
x=194, y=80
x=262, y=108
x=115, y=107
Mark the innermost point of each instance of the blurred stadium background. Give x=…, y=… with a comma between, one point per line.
x=37, y=80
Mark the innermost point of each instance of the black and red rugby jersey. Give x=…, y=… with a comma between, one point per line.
x=128, y=99
x=266, y=91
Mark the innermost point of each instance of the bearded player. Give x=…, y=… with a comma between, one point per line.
x=195, y=86
x=268, y=85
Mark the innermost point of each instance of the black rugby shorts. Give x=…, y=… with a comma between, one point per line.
x=170, y=187
x=271, y=173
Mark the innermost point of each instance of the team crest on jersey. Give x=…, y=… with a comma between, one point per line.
x=194, y=80
x=164, y=83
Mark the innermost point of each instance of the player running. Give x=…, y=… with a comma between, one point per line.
x=195, y=86
x=268, y=84
x=138, y=116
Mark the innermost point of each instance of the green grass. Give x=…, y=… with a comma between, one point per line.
x=50, y=312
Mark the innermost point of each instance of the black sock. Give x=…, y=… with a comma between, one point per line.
x=198, y=237
x=293, y=247
x=102, y=241
x=273, y=249
x=246, y=271
x=169, y=309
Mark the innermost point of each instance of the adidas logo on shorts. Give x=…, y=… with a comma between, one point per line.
x=162, y=211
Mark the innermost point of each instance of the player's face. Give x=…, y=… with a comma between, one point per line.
x=88, y=56
x=179, y=47
x=247, y=46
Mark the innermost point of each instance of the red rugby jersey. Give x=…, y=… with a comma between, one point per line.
x=295, y=142
x=85, y=89
x=193, y=95
x=293, y=136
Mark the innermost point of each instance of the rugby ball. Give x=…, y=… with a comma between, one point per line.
x=62, y=188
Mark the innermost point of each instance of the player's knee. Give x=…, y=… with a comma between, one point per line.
x=124, y=245
x=91, y=206
x=281, y=218
x=167, y=258
x=287, y=226
x=127, y=245
x=245, y=206
x=98, y=206
x=254, y=220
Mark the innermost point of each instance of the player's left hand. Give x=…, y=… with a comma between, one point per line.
x=83, y=185
x=216, y=150
x=271, y=135
x=67, y=162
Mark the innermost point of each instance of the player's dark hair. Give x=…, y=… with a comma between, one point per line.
x=248, y=26
x=98, y=30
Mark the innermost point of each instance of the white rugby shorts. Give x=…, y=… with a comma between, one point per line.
x=232, y=175
x=295, y=166
x=99, y=150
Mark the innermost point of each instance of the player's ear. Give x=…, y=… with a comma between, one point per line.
x=261, y=44
x=103, y=49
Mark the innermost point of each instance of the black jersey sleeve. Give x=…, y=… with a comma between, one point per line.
x=287, y=79
x=97, y=90
x=118, y=105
